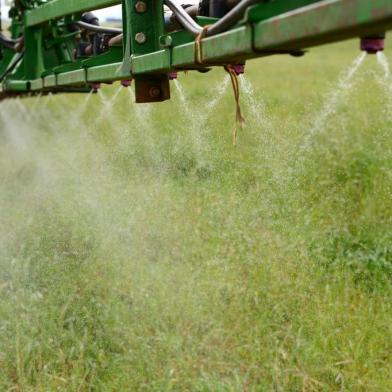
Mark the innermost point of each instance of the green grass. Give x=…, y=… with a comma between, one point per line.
x=141, y=251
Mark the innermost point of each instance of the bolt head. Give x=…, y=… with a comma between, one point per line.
x=141, y=7
x=155, y=92
x=140, y=38
x=166, y=40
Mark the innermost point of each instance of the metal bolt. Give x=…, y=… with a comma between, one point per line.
x=166, y=40
x=140, y=38
x=141, y=7
x=155, y=92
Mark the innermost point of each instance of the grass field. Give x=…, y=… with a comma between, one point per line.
x=141, y=251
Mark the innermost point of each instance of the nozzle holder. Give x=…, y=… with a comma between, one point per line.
x=126, y=83
x=95, y=87
x=373, y=44
x=239, y=69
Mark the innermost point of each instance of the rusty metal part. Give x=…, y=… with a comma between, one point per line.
x=152, y=88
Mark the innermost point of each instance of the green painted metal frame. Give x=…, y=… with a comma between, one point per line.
x=58, y=8
x=267, y=28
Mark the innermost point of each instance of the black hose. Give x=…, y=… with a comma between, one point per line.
x=231, y=18
x=98, y=29
x=183, y=18
x=12, y=66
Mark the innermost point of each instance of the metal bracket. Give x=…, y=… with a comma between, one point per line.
x=144, y=26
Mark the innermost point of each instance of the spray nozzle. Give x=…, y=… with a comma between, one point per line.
x=373, y=44
x=126, y=83
x=172, y=75
x=95, y=87
x=239, y=69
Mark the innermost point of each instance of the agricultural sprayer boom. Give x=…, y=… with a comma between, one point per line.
x=59, y=46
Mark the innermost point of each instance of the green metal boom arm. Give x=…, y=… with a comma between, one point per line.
x=147, y=52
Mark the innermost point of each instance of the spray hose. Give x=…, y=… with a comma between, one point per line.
x=239, y=119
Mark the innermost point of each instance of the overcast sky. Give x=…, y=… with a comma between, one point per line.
x=111, y=12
